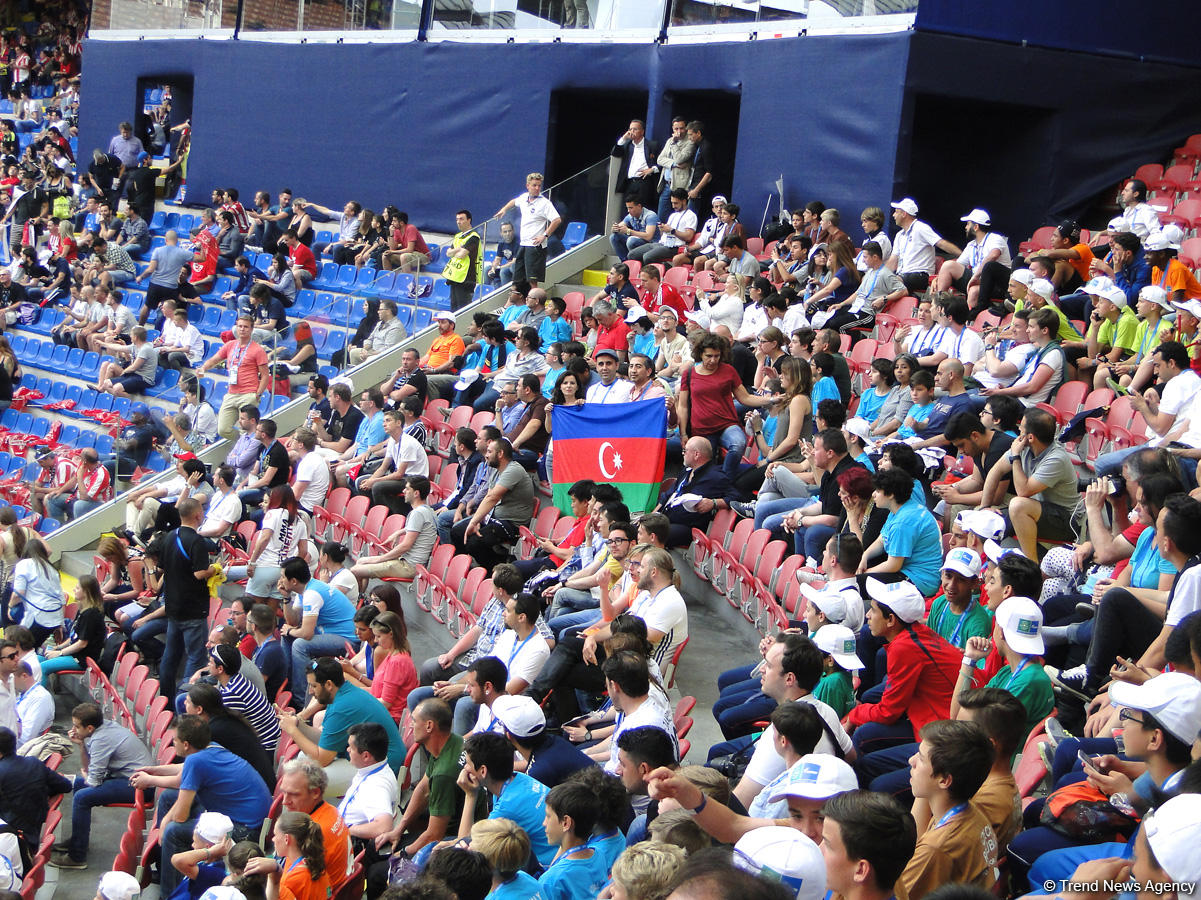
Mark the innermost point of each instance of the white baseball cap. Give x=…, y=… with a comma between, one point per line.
x=1021, y=622
x=839, y=642
x=994, y=552
x=467, y=378
x=964, y=561
x=816, y=776
x=978, y=216
x=1173, y=698
x=862, y=429
x=984, y=523
x=1157, y=241
x=1043, y=288
x=1175, y=235
x=829, y=601
x=636, y=312
x=1021, y=276
x=119, y=886
x=1173, y=832
x=1192, y=305
x=214, y=827
x=1117, y=223
x=223, y=892
x=1098, y=286
x=777, y=853
x=905, y=600
x=906, y=205
x=1153, y=293
x=446, y=315
x=520, y=715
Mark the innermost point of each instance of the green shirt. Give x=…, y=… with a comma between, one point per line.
x=443, y=772
x=1120, y=333
x=976, y=621
x=836, y=691
x=1146, y=341
x=1031, y=686
x=1067, y=331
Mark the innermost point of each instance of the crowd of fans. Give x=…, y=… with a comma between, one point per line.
x=963, y=586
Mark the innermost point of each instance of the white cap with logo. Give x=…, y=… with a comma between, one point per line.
x=829, y=601
x=905, y=600
x=839, y=642
x=964, y=561
x=908, y=205
x=1173, y=832
x=1021, y=622
x=977, y=216
x=1173, y=698
x=984, y=523
x=781, y=854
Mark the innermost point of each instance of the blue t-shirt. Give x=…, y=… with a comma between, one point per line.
x=826, y=388
x=371, y=433
x=912, y=533
x=352, y=705
x=551, y=379
x=920, y=415
x=209, y=876
x=944, y=408
x=170, y=258
x=574, y=878
x=509, y=313
x=524, y=887
x=1146, y=565
x=275, y=664
x=227, y=784
x=335, y=613
x=524, y=801
x=551, y=330
x=556, y=761
x=609, y=846
x=866, y=461
x=644, y=344
x=870, y=404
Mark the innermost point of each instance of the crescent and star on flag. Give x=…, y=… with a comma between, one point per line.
x=600, y=460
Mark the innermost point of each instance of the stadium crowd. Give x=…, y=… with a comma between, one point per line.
x=964, y=593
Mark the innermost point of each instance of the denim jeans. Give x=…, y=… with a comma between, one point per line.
x=143, y=637
x=564, y=621
x=623, y=244
x=872, y=737
x=185, y=639
x=465, y=712
x=571, y=600
x=733, y=439
x=811, y=541
x=770, y=514
x=1111, y=463
x=304, y=652
x=442, y=522
x=85, y=799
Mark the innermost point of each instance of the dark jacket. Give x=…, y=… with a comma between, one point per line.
x=623, y=182
x=26, y=786
x=708, y=481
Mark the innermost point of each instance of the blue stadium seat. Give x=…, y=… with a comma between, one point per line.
x=327, y=277
x=305, y=301
x=104, y=445
x=18, y=342
x=158, y=224
x=122, y=405
x=68, y=435
x=103, y=402
x=320, y=335
x=346, y=277
x=45, y=357
x=73, y=392
x=85, y=440
x=58, y=361
x=339, y=311
x=228, y=318
x=574, y=234
x=49, y=525
x=422, y=317
x=382, y=283
x=187, y=222
x=172, y=222
x=24, y=422
x=156, y=462
x=441, y=292
x=324, y=237
x=89, y=368
x=86, y=401
x=363, y=279
x=211, y=321
x=404, y=284
x=335, y=342
x=41, y=426
x=29, y=380
x=166, y=385
x=405, y=315
x=8, y=419
x=45, y=385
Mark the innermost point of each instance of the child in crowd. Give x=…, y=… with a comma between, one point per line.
x=921, y=386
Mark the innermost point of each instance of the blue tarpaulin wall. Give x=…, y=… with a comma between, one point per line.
x=437, y=126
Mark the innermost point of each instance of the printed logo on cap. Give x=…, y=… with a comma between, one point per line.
x=809, y=773
x=848, y=646
x=1027, y=626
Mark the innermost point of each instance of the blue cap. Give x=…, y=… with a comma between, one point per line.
x=140, y=408
x=143, y=156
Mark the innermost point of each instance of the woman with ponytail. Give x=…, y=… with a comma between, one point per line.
x=299, y=873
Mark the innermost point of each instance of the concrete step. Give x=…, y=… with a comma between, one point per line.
x=77, y=562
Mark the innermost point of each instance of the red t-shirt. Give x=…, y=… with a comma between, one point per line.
x=615, y=338
x=208, y=266
x=667, y=295
x=412, y=235
x=302, y=256
x=244, y=363
x=711, y=399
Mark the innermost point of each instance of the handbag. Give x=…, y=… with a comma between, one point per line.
x=1082, y=812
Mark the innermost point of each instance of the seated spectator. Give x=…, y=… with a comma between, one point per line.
x=547, y=757
x=320, y=620
x=1044, y=368
x=109, y=265
x=301, y=870
x=349, y=222
x=345, y=705
x=389, y=332
x=394, y=675
x=701, y=490
x=111, y=755
x=955, y=616
x=304, y=263
x=404, y=457
x=304, y=785
x=135, y=233
x=232, y=731
x=229, y=239
x=950, y=766
x=202, y=865
x=521, y=419
x=578, y=869
x=278, y=539
x=492, y=529
x=372, y=800
x=86, y=641
x=910, y=540
x=242, y=697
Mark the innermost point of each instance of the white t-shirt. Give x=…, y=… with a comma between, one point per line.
x=35, y=713
x=1016, y=356
x=766, y=763
x=914, y=248
x=617, y=392
x=665, y=612
x=973, y=255
x=372, y=793
x=524, y=659
x=1176, y=395
x=536, y=214
x=1052, y=358
x=681, y=220
x=485, y=721
x=11, y=869
x=649, y=713
x=407, y=450
x=1186, y=598
x=227, y=509
x=189, y=337
x=314, y=470
x=285, y=536
x=344, y=581
x=967, y=346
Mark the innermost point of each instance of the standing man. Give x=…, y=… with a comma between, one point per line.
x=166, y=262
x=913, y=251
x=139, y=186
x=186, y=571
x=126, y=148
x=674, y=163
x=465, y=263
x=539, y=220
x=249, y=374
x=702, y=164
x=637, y=155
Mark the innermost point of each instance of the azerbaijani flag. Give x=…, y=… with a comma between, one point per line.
x=622, y=444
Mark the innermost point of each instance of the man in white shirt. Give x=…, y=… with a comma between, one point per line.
x=312, y=471
x=982, y=269
x=638, y=155
x=1137, y=216
x=372, y=799
x=659, y=604
x=627, y=680
x=9, y=654
x=608, y=388
x=995, y=370
x=521, y=647
x=485, y=680
x=678, y=231
x=35, y=705
x=913, y=250
x=1180, y=401
x=225, y=507
x=181, y=345
x=539, y=220
x=958, y=341
x=403, y=455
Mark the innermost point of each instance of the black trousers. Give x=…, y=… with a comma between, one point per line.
x=1124, y=627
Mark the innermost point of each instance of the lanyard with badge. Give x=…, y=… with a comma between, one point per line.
x=345, y=804
x=234, y=363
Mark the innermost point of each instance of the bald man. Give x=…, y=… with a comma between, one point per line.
x=952, y=397
x=701, y=478
x=535, y=309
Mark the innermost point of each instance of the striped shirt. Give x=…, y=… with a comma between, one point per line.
x=243, y=697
